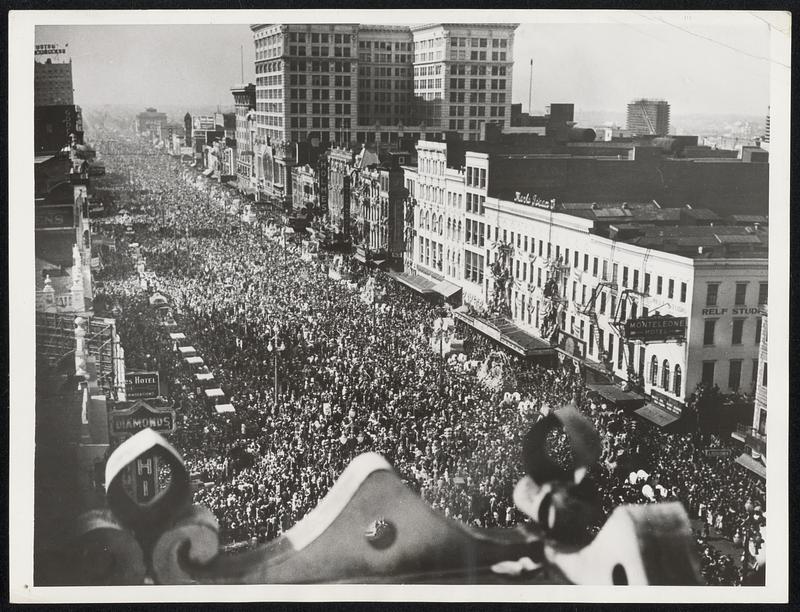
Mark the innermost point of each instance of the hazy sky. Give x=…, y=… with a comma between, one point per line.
x=698, y=68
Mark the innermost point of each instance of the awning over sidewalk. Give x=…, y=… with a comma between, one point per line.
x=657, y=414
x=615, y=395
x=420, y=284
x=446, y=289
x=507, y=333
x=754, y=465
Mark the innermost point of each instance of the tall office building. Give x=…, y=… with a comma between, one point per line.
x=385, y=75
x=462, y=75
x=52, y=75
x=306, y=82
x=648, y=117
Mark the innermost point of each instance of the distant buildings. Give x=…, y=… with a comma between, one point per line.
x=648, y=117
x=150, y=122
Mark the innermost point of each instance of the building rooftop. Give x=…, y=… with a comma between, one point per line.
x=702, y=242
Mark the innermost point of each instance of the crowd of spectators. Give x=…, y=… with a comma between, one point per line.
x=355, y=377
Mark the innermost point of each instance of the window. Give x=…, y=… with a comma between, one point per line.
x=762, y=294
x=636, y=280
x=764, y=375
x=646, y=283
x=762, y=423
x=594, y=266
x=735, y=374
x=741, y=294
x=683, y=292
x=585, y=263
x=625, y=276
x=659, y=285
x=707, y=377
x=708, y=332
x=736, y=334
x=605, y=269
x=712, y=291
x=620, y=355
x=654, y=370
x=676, y=385
x=758, y=331
x=671, y=289
x=665, y=375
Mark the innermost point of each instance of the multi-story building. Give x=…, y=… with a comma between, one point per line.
x=648, y=117
x=462, y=75
x=306, y=82
x=305, y=189
x=589, y=280
x=244, y=97
x=340, y=173
x=377, y=206
x=754, y=436
x=385, y=75
x=52, y=76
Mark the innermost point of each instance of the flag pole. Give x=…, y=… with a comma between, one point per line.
x=530, y=90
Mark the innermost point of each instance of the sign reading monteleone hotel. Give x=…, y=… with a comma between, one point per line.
x=656, y=329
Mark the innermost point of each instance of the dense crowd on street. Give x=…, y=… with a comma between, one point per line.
x=355, y=377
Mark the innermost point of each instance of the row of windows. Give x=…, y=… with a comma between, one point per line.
x=734, y=373
x=476, y=177
x=472, y=124
x=740, y=297
x=321, y=122
x=427, y=70
x=463, y=55
x=320, y=80
x=319, y=94
x=473, y=267
x=477, y=83
x=383, y=71
x=737, y=332
x=477, y=111
x=384, y=45
x=319, y=37
x=302, y=51
x=496, y=43
x=319, y=108
x=477, y=96
x=428, y=84
x=476, y=204
x=476, y=70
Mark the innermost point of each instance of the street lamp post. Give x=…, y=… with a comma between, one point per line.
x=275, y=348
x=440, y=327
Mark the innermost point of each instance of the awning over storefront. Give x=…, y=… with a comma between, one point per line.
x=446, y=289
x=754, y=465
x=420, y=284
x=657, y=414
x=507, y=333
x=615, y=395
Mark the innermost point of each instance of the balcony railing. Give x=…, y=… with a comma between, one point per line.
x=752, y=438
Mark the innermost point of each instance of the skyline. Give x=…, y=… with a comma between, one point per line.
x=692, y=68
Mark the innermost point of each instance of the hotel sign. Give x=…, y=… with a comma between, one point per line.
x=141, y=385
x=656, y=329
